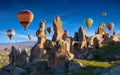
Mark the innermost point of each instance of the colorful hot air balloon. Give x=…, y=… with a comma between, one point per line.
x=25, y=17
x=46, y=32
x=110, y=26
x=88, y=22
x=10, y=33
x=49, y=29
x=30, y=36
x=104, y=14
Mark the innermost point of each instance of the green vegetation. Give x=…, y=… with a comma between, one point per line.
x=107, y=52
x=92, y=63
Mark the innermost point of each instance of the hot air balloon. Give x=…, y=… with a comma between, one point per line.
x=49, y=29
x=110, y=26
x=25, y=17
x=65, y=32
x=10, y=33
x=88, y=22
x=104, y=14
x=30, y=36
x=46, y=32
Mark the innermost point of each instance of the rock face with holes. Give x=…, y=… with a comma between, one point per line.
x=38, y=50
x=59, y=32
x=111, y=39
x=59, y=51
x=80, y=39
x=101, y=30
x=17, y=62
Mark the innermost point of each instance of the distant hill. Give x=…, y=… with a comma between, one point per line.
x=27, y=44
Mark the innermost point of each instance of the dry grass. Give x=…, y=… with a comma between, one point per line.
x=4, y=59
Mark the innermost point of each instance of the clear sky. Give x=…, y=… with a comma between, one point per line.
x=72, y=13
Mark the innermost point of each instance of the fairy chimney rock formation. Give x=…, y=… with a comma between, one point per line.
x=59, y=32
x=13, y=56
x=38, y=50
x=80, y=39
x=101, y=30
x=59, y=52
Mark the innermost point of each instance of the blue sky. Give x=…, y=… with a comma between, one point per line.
x=72, y=13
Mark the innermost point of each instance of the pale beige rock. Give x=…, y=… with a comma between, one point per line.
x=81, y=39
x=101, y=29
x=38, y=50
x=40, y=32
x=95, y=40
x=59, y=48
x=111, y=39
x=61, y=55
x=59, y=32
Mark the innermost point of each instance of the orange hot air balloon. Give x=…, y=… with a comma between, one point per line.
x=11, y=33
x=110, y=26
x=25, y=17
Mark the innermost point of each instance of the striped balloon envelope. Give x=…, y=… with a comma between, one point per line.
x=25, y=17
x=88, y=22
x=110, y=26
x=10, y=33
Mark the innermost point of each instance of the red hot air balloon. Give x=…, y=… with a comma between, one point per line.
x=110, y=26
x=11, y=33
x=25, y=17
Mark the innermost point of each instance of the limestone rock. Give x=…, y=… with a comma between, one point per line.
x=73, y=67
x=58, y=49
x=38, y=50
x=62, y=55
x=81, y=34
x=80, y=39
x=14, y=54
x=22, y=57
x=75, y=36
x=101, y=29
x=59, y=32
x=95, y=41
x=111, y=39
x=40, y=32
